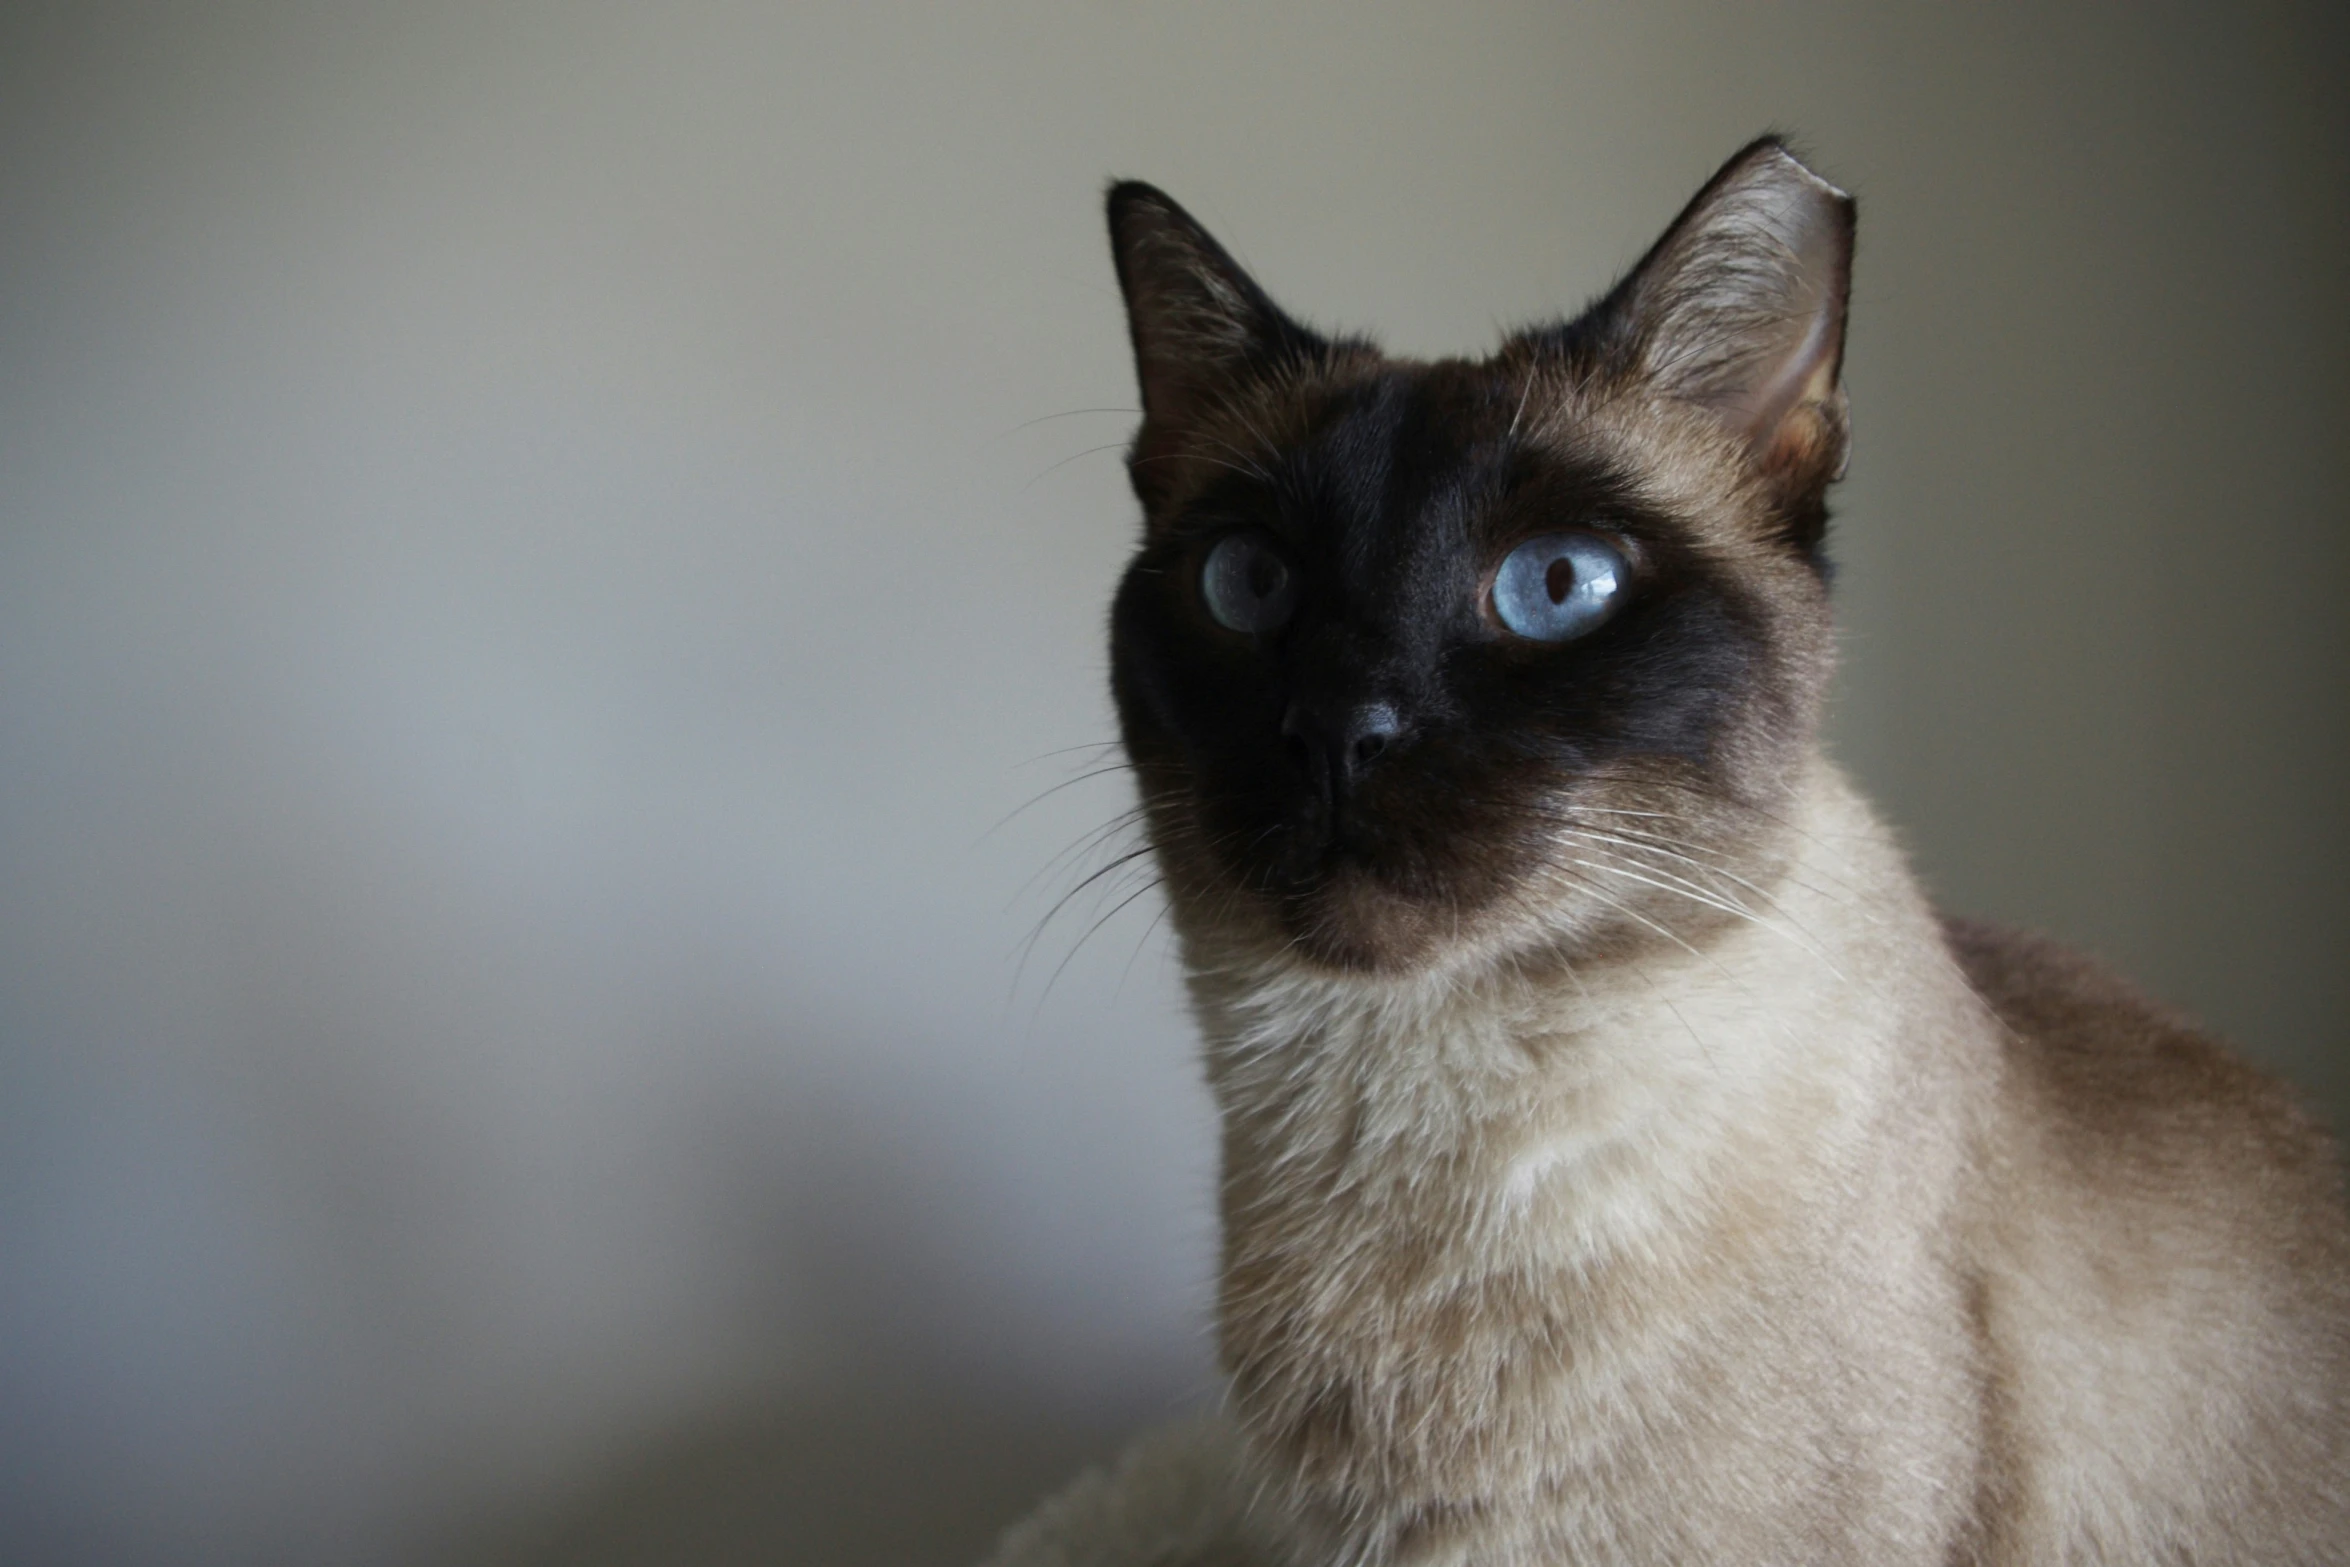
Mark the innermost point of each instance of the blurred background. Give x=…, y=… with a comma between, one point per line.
x=538, y=544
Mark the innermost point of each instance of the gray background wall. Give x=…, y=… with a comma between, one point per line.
x=535, y=543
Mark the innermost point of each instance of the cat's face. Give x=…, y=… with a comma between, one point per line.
x=1424, y=658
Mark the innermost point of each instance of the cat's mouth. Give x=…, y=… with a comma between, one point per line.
x=1385, y=878
x=1350, y=894
x=1351, y=919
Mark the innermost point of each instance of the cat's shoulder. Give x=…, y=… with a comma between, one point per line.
x=2160, y=1270
x=2123, y=1080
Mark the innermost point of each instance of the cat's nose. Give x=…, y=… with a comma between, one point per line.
x=1337, y=745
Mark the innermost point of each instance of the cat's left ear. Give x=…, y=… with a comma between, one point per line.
x=1201, y=325
x=1740, y=310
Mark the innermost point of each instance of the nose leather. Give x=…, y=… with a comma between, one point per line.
x=1337, y=744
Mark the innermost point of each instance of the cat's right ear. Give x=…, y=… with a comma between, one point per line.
x=1200, y=324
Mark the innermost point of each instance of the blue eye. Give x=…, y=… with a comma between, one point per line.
x=1247, y=587
x=1559, y=586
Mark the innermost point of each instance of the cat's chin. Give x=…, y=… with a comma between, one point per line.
x=1352, y=922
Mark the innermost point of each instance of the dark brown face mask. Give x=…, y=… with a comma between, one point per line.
x=1387, y=613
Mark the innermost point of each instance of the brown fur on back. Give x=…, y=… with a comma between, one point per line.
x=2173, y=1378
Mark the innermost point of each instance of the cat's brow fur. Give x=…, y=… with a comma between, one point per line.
x=1622, y=1162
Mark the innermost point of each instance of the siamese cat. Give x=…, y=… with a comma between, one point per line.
x=1622, y=1162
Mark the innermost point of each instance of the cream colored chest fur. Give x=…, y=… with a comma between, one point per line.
x=1520, y=1261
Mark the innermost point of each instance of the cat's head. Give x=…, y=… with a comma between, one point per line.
x=1419, y=659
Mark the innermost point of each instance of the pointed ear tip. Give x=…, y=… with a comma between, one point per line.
x=1772, y=157
x=1126, y=200
x=1771, y=154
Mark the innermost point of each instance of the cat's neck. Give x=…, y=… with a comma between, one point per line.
x=1786, y=983
x=1422, y=1178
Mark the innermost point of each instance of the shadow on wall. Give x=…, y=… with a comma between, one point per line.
x=914, y=1438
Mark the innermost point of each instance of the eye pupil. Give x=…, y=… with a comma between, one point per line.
x=1246, y=585
x=1559, y=580
x=1265, y=575
x=1559, y=586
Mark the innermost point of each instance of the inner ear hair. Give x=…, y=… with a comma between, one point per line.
x=1740, y=309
